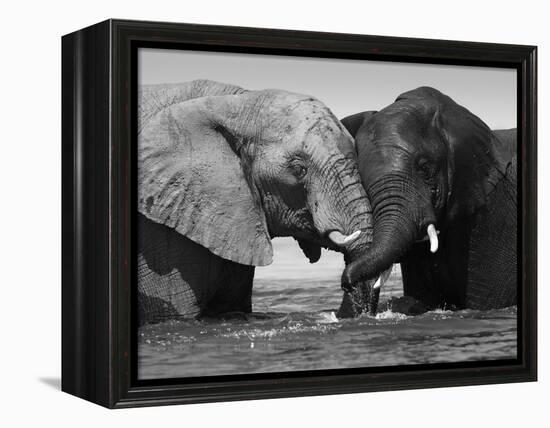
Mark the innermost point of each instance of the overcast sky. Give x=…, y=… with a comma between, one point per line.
x=346, y=87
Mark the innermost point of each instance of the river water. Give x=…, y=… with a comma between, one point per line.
x=293, y=327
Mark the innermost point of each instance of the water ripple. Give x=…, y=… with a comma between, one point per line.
x=295, y=328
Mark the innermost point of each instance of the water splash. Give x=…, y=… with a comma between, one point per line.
x=297, y=331
x=388, y=314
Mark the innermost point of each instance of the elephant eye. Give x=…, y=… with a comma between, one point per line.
x=299, y=170
x=426, y=168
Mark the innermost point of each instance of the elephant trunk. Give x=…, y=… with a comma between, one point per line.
x=396, y=227
x=344, y=215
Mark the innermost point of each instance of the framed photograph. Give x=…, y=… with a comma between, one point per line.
x=253, y=213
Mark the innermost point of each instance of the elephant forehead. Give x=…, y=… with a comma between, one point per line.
x=404, y=113
x=295, y=109
x=405, y=123
x=317, y=135
x=313, y=122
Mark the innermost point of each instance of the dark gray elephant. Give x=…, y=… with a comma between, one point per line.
x=443, y=192
x=222, y=171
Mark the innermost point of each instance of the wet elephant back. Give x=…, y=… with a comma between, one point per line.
x=508, y=148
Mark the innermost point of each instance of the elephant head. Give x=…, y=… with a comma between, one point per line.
x=230, y=169
x=425, y=162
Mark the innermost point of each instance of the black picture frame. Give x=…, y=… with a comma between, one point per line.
x=98, y=114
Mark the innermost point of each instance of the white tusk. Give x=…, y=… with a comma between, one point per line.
x=432, y=234
x=352, y=237
x=382, y=278
x=426, y=238
x=340, y=239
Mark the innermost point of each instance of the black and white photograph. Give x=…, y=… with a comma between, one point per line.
x=299, y=214
x=285, y=214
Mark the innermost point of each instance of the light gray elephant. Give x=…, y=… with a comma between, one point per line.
x=222, y=171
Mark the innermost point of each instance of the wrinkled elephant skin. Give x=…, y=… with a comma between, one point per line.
x=443, y=190
x=222, y=171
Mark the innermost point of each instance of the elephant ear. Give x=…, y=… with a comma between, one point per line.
x=191, y=179
x=155, y=98
x=355, y=121
x=476, y=156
